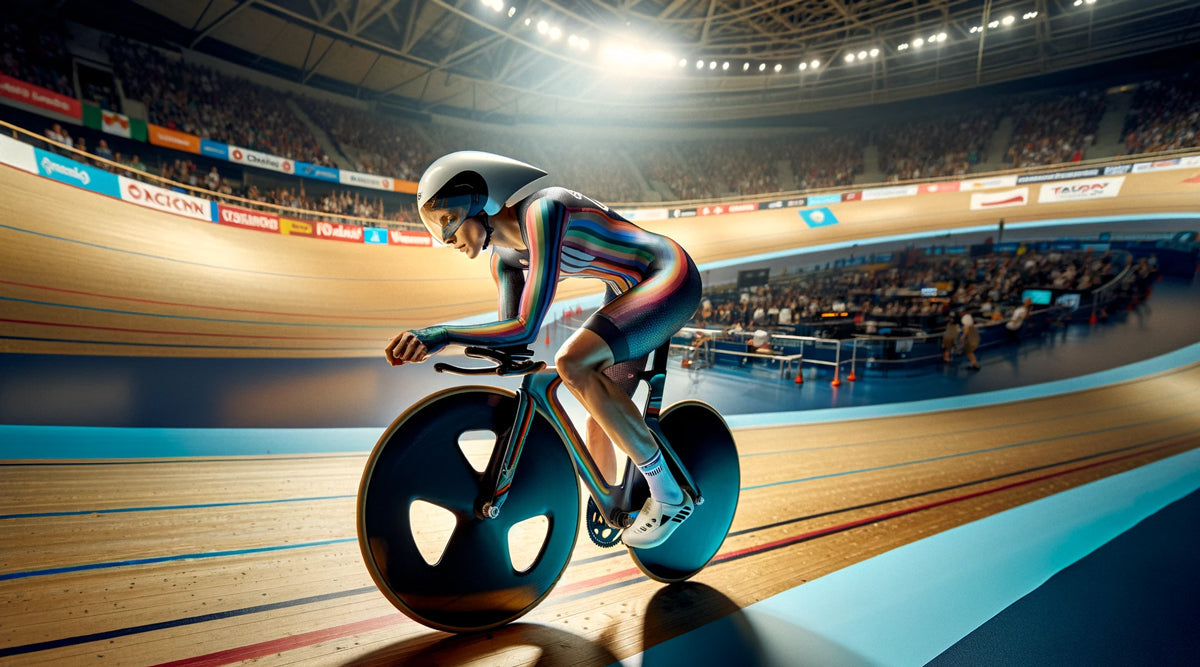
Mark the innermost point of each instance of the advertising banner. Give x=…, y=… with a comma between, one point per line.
x=256, y=220
x=407, y=187
x=152, y=196
x=318, y=172
x=1058, y=176
x=364, y=180
x=214, y=149
x=41, y=98
x=852, y=196
x=17, y=154
x=890, y=193
x=818, y=217
x=263, y=160
x=168, y=138
x=1174, y=163
x=820, y=200
x=933, y=188
x=338, y=232
x=683, y=212
x=71, y=172
x=405, y=237
x=988, y=183
x=983, y=201
x=635, y=214
x=296, y=227
x=1093, y=188
x=375, y=235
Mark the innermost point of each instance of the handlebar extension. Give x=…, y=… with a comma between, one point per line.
x=508, y=361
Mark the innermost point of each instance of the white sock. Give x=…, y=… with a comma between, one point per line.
x=663, y=486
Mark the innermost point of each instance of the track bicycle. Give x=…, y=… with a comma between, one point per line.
x=532, y=469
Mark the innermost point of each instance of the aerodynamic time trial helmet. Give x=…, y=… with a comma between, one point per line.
x=471, y=182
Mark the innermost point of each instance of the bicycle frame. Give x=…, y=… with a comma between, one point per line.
x=538, y=395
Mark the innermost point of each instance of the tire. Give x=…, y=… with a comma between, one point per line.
x=702, y=441
x=474, y=584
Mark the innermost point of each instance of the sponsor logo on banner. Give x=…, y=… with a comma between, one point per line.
x=264, y=160
x=933, y=188
x=1118, y=170
x=296, y=227
x=17, y=154
x=818, y=217
x=168, y=138
x=820, y=200
x=152, y=196
x=257, y=220
x=742, y=208
x=1160, y=165
x=988, y=183
x=375, y=235
x=683, y=212
x=796, y=203
x=778, y=203
x=1096, y=188
x=852, y=196
x=1058, y=176
x=214, y=149
x=364, y=180
x=889, y=193
x=405, y=237
x=115, y=123
x=42, y=98
x=982, y=201
x=316, y=171
x=339, y=232
x=71, y=172
x=712, y=210
x=643, y=214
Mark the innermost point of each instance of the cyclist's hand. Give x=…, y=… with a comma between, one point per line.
x=406, y=348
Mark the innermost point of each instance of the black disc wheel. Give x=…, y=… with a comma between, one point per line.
x=702, y=441
x=424, y=545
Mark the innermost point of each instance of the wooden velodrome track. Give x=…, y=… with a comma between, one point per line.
x=213, y=560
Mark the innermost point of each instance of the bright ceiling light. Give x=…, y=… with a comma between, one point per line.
x=725, y=65
x=874, y=53
x=941, y=37
x=862, y=55
x=803, y=66
x=815, y=64
x=1008, y=20
x=745, y=67
x=762, y=67
x=849, y=57
x=778, y=67
x=902, y=47
x=543, y=27
x=918, y=42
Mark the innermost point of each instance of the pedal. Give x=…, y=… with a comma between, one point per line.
x=602, y=534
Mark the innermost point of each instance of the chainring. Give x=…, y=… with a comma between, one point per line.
x=602, y=534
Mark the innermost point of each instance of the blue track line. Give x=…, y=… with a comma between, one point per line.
x=163, y=508
x=973, y=452
x=167, y=559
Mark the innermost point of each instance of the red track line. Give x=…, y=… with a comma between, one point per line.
x=180, y=333
x=192, y=305
x=293, y=642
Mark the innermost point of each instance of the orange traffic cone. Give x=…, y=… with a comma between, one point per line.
x=800, y=376
x=836, y=382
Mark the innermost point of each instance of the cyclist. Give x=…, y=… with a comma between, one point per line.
x=470, y=200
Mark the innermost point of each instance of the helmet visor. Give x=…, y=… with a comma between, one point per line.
x=442, y=217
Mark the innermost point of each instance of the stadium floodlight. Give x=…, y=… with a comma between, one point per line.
x=494, y=5
x=1090, y=2
x=1077, y=3
x=745, y=67
x=941, y=37
x=815, y=64
x=725, y=66
x=803, y=66
x=683, y=62
x=699, y=64
x=712, y=65
x=543, y=27
x=849, y=57
x=762, y=67
x=918, y=43
x=874, y=53
x=862, y=55
x=975, y=29
x=555, y=33
x=902, y=47
x=1029, y=15
x=1008, y=20
x=778, y=67
x=511, y=12
x=993, y=24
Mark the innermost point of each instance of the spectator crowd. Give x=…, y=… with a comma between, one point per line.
x=194, y=98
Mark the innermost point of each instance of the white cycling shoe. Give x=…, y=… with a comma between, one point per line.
x=655, y=523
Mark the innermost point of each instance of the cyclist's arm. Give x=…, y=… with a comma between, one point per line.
x=510, y=281
x=543, y=223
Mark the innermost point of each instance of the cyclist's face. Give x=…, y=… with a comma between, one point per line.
x=468, y=238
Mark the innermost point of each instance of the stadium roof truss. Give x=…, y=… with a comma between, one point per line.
x=689, y=60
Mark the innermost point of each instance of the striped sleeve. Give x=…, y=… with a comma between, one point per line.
x=544, y=223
